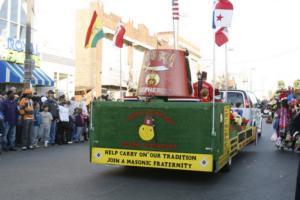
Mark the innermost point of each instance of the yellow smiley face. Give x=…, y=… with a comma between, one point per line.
x=146, y=132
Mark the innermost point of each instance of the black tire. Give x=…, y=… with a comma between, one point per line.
x=228, y=165
x=261, y=126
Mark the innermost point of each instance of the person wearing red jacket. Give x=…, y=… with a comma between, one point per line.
x=202, y=77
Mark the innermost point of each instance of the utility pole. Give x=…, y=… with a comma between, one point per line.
x=251, y=79
x=28, y=64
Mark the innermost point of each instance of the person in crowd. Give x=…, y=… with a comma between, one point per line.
x=202, y=84
x=1, y=121
x=297, y=194
x=53, y=109
x=79, y=122
x=218, y=97
x=13, y=90
x=19, y=122
x=26, y=110
x=10, y=112
x=73, y=105
x=86, y=125
x=36, y=98
x=46, y=117
x=83, y=106
x=36, y=125
x=43, y=100
x=62, y=98
x=63, y=133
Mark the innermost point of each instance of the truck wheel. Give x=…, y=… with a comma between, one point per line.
x=259, y=133
x=227, y=167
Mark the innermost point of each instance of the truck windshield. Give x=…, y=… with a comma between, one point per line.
x=236, y=99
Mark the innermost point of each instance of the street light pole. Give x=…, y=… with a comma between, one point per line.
x=226, y=67
x=28, y=62
x=251, y=79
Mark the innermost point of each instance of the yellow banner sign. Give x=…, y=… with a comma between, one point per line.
x=19, y=57
x=155, y=159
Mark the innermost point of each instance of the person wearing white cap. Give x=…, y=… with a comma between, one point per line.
x=43, y=99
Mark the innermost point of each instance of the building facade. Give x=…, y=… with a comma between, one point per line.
x=13, y=16
x=61, y=68
x=99, y=70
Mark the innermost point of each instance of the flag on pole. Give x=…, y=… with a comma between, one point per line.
x=119, y=35
x=94, y=32
x=221, y=36
x=175, y=9
x=223, y=13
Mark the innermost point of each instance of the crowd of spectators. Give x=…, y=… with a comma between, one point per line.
x=29, y=121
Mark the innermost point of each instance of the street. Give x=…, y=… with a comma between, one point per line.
x=63, y=172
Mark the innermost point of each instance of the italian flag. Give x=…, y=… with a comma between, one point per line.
x=94, y=32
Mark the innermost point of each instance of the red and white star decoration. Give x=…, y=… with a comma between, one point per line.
x=219, y=17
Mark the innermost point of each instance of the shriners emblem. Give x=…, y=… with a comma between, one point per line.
x=152, y=79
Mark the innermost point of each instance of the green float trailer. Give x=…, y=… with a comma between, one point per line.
x=179, y=135
x=169, y=128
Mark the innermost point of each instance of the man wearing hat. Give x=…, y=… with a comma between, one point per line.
x=26, y=111
x=203, y=84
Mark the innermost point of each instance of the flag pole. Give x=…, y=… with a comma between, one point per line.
x=175, y=15
x=226, y=66
x=175, y=33
x=121, y=96
x=213, y=133
x=174, y=36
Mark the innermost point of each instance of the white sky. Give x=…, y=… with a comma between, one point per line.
x=264, y=35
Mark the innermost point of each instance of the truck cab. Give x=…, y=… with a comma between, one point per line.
x=246, y=104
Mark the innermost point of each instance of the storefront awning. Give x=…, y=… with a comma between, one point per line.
x=14, y=73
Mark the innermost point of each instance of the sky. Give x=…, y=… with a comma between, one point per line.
x=264, y=40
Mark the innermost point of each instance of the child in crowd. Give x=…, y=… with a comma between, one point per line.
x=45, y=125
x=36, y=124
x=63, y=132
x=80, y=124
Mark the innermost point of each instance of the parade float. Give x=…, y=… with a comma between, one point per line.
x=286, y=120
x=297, y=89
x=164, y=126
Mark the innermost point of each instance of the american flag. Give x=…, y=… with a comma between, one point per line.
x=175, y=9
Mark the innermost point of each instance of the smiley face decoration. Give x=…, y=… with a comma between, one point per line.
x=146, y=130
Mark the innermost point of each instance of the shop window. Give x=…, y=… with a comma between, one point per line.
x=22, y=32
x=13, y=30
x=3, y=9
x=23, y=12
x=14, y=11
x=3, y=28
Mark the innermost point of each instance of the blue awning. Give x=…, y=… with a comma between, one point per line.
x=14, y=73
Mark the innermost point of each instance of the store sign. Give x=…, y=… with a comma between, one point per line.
x=15, y=51
x=19, y=57
x=20, y=46
x=154, y=159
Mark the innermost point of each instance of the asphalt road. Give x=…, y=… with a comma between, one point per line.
x=63, y=172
